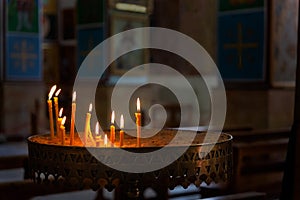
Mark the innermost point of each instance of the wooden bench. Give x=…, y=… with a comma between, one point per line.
x=259, y=158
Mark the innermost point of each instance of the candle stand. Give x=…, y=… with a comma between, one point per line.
x=75, y=167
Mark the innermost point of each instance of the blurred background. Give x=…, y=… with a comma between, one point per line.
x=253, y=43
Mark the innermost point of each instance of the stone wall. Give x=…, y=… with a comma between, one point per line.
x=256, y=109
x=22, y=102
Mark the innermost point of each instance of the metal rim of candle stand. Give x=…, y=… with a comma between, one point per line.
x=74, y=167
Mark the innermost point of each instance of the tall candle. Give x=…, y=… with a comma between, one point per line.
x=73, y=119
x=97, y=135
x=138, y=117
x=121, y=130
x=63, y=130
x=59, y=119
x=112, y=128
x=87, y=124
x=56, y=109
x=50, y=111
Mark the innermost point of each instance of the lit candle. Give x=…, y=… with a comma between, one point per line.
x=59, y=119
x=121, y=130
x=73, y=119
x=97, y=135
x=138, y=117
x=105, y=140
x=112, y=128
x=87, y=124
x=63, y=130
x=50, y=111
x=56, y=109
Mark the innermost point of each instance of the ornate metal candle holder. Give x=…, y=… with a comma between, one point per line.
x=75, y=167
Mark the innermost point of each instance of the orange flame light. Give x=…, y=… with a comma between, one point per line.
x=60, y=112
x=122, y=122
x=51, y=92
x=113, y=117
x=57, y=92
x=90, y=107
x=105, y=140
x=97, y=128
x=74, y=97
x=138, y=105
x=63, y=120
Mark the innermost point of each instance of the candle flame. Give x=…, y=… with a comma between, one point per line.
x=138, y=105
x=63, y=120
x=51, y=92
x=74, y=96
x=113, y=117
x=97, y=128
x=57, y=92
x=60, y=112
x=90, y=107
x=105, y=140
x=122, y=122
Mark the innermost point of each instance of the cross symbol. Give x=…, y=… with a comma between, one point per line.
x=240, y=45
x=23, y=55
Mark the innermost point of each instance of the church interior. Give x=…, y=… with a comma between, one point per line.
x=249, y=50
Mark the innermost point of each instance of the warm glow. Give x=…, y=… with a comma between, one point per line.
x=112, y=117
x=90, y=108
x=63, y=120
x=57, y=92
x=60, y=112
x=74, y=97
x=138, y=105
x=51, y=92
x=131, y=7
x=122, y=122
x=97, y=128
x=105, y=140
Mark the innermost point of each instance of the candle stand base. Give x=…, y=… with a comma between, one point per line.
x=75, y=167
